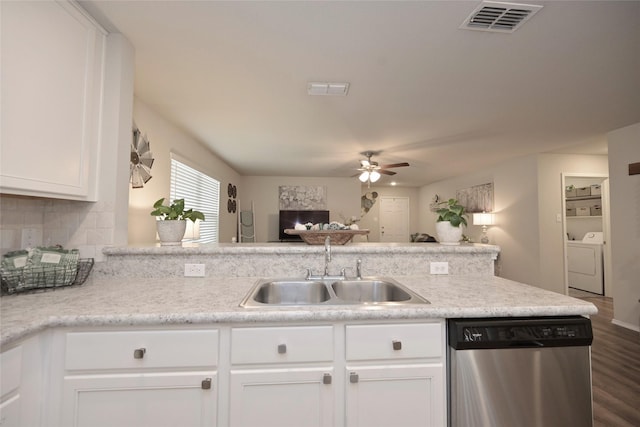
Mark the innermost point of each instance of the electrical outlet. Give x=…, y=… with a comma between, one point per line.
x=194, y=270
x=439, y=267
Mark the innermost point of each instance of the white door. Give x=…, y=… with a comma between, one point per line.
x=394, y=219
x=140, y=400
x=281, y=398
x=416, y=393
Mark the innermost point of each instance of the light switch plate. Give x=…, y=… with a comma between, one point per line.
x=439, y=267
x=194, y=270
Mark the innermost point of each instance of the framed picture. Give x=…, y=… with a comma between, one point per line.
x=478, y=198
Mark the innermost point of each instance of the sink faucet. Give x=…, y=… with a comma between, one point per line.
x=327, y=254
x=359, y=269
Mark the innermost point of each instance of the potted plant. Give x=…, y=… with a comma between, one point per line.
x=172, y=220
x=451, y=218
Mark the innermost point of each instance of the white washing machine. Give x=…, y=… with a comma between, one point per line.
x=585, y=263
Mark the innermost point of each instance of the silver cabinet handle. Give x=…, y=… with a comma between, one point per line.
x=282, y=348
x=138, y=353
x=397, y=345
x=206, y=384
x=326, y=379
x=353, y=378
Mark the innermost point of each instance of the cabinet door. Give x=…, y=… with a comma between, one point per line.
x=51, y=74
x=10, y=412
x=153, y=400
x=281, y=398
x=399, y=396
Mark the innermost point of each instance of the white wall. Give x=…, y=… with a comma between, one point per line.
x=624, y=148
x=527, y=198
x=164, y=139
x=343, y=198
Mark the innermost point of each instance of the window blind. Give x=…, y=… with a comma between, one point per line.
x=200, y=193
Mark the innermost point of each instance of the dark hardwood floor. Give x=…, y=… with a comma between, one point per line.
x=615, y=355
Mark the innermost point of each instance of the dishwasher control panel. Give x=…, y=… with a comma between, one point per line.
x=519, y=332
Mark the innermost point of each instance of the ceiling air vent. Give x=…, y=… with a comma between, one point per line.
x=499, y=17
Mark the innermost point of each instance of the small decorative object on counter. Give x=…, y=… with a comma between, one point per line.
x=451, y=218
x=43, y=268
x=171, y=223
x=317, y=237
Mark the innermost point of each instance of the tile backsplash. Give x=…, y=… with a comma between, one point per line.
x=85, y=226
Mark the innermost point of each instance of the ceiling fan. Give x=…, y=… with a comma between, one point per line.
x=371, y=171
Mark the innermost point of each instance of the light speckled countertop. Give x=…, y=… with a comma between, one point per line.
x=300, y=248
x=179, y=301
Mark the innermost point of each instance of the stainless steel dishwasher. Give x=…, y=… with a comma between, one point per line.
x=524, y=372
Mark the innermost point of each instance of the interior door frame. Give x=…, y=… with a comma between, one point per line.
x=606, y=229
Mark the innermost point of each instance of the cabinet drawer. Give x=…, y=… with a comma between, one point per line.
x=10, y=370
x=141, y=349
x=369, y=342
x=281, y=345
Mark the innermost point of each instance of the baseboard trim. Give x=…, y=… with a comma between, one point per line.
x=626, y=325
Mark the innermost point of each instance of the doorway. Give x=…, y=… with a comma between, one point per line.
x=394, y=219
x=586, y=231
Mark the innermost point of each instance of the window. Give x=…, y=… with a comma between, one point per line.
x=200, y=193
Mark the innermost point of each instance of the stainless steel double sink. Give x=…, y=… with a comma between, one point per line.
x=301, y=292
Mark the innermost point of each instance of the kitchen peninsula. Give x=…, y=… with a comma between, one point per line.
x=121, y=329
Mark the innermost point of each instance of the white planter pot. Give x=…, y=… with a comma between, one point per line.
x=171, y=232
x=448, y=234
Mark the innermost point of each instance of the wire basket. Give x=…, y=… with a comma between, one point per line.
x=42, y=278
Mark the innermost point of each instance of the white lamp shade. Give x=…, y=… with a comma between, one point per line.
x=483, y=218
x=364, y=176
x=374, y=176
x=193, y=230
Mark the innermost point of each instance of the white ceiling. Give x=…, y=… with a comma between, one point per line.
x=447, y=100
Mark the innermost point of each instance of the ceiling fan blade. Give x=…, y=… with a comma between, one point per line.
x=395, y=165
x=386, y=172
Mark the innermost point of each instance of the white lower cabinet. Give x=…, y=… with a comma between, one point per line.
x=399, y=396
x=364, y=375
x=10, y=399
x=341, y=374
x=21, y=384
x=395, y=375
x=282, y=398
x=140, y=378
x=282, y=376
x=153, y=400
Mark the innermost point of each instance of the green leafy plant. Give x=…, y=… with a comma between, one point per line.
x=453, y=212
x=175, y=211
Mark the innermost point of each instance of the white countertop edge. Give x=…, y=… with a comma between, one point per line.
x=293, y=248
x=286, y=315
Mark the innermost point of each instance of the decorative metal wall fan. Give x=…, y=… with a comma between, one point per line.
x=141, y=160
x=371, y=171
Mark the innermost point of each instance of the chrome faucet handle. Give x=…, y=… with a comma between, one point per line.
x=359, y=269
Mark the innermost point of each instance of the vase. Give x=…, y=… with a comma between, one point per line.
x=171, y=232
x=448, y=234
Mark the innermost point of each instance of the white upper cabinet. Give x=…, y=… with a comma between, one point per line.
x=51, y=97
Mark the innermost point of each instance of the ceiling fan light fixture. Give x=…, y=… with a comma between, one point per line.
x=374, y=176
x=364, y=176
